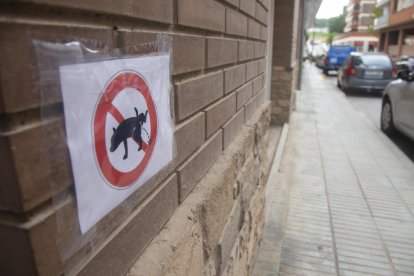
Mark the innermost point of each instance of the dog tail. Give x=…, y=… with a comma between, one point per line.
x=136, y=111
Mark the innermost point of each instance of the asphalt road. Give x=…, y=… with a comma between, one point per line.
x=370, y=106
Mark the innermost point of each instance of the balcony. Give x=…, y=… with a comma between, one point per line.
x=381, y=22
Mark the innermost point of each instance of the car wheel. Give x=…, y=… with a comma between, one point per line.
x=387, y=122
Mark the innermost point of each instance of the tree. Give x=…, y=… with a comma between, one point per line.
x=336, y=24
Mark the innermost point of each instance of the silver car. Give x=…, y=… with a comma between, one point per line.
x=370, y=72
x=398, y=105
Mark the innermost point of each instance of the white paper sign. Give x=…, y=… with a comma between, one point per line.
x=118, y=126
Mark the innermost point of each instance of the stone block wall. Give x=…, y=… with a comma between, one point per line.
x=212, y=189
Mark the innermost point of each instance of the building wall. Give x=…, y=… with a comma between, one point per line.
x=211, y=196
x=286, y=62
x=399, y=27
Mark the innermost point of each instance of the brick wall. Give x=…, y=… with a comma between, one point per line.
x=218, y=70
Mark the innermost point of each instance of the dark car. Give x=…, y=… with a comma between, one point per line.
x=335, y=57
x=369, y=72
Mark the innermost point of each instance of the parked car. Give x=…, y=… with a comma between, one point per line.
x=398, y=105
x=335, y=57
x=319, y=61
x=370, y=72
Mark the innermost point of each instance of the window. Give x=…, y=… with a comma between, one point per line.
x=372, y=60
x=403, y=4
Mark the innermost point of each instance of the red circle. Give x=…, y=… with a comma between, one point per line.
x=125, y=79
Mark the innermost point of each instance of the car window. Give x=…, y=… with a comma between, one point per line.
x=373, y=60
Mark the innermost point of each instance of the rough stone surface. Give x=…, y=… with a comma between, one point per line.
x=196, y=167
x=200, y=237
x=232, y=127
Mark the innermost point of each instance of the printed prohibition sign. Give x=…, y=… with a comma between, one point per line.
x=121, y=81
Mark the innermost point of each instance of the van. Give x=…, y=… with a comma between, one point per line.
x=335, y=57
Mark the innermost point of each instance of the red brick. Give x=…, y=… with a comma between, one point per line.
x=252, y=69
x=261, y=14
x=258, y=84
x=231, y=128
x=236, y=23
x=19, y=85
x=193, y=170
x=249, y=6
x=36, y=167
x=244, y=94
x=203, y=14
x=189, y=135
x=118, y=254
x=253, y=29
x=234, y=77
x=246, y=50
x=221, y=51
x=155, y=10
x=194, y=94
x=219, y=113
x=188, y=51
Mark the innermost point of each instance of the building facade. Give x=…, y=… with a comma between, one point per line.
x=234, y=68
x=363, y=42
x=359, y=15
x=396, y=27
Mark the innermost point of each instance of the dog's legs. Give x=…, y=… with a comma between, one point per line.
x=126, y=149
x=137, y=137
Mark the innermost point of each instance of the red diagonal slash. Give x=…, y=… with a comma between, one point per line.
x=120, y=118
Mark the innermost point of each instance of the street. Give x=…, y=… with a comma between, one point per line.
x=369, y=105
x=350, y=209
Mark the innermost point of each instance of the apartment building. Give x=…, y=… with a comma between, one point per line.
x=396, y=27
x=359, y=15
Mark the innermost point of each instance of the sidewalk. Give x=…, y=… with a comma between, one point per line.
x=351, y=204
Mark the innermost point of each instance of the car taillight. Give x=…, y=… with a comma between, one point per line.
x=350, y=71
x=394, y=72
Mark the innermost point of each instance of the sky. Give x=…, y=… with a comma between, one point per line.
x=331, y=8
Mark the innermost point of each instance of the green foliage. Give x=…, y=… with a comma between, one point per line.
x=334, y=24
x=330, y=38
x=337, y=24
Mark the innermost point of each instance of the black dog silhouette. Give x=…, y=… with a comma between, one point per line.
x=129, y=128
